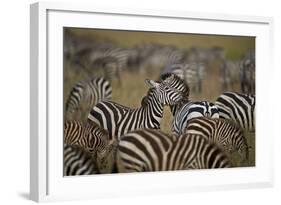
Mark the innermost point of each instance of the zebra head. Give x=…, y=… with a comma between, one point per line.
x=174, y=81
x=165, y=94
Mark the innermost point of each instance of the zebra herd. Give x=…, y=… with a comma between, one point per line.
x=122, y=139
x=103, y=136
x=92, y=56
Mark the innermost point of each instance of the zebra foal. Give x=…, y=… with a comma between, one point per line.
x=77, y=161
x=92, y=139
x=222, y=132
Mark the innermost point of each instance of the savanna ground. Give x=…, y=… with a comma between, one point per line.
x=133, y=87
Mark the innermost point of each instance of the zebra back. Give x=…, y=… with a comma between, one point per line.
x=240, y=108
x=153, y=150
x=143, y=150
x=192, y=110
x=193, y=151
x=77, y=161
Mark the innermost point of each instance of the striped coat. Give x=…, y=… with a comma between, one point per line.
x=153, y=150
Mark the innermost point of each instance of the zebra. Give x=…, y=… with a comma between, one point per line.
x=247, y=73
x=240, y=108
x=73, y=131
x=222, y=132
x=178, y=84
x=152, y=150
x=85, y=94
x=118, y=119
x=192, y=73
x=205, y=55
x=229, y=74
x=92, y=139
x=113, y=60
x=74, y=47
x=192, y=110
x=77, y=161
x=151, y=56
x=103, y=57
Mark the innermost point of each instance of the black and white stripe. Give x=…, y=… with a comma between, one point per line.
x=73, y=132
x=229, y=74
x=222, y=132
x=89, y=136
x=152, y=150
x=85, y=94
x=149, y=57
x=178, y=84
x=240, y=108
x=94, y=140
x=112, y=60
x=192, y=73
x=247, y=73
x=118, y=119
x=77, y=161
x=205, y=55
x=192, y=110
x=104, y=58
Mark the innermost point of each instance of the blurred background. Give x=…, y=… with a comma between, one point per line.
x=127, y=58
x=210, y=64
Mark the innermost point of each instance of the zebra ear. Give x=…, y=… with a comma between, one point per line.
x=151, y=83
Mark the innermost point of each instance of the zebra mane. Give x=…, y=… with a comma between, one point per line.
x=176, y=78
x=167, y=75
x=144, y=100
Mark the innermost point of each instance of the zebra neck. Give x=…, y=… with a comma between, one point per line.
x=153, y=110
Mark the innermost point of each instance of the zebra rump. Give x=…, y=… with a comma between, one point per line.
x=85, y=94
x=192, y=110
x=153, y=150
x=240, y=108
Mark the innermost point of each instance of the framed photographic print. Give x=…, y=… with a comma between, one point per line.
x=129, y=101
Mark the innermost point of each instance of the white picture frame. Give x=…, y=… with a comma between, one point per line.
x=46, y=177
